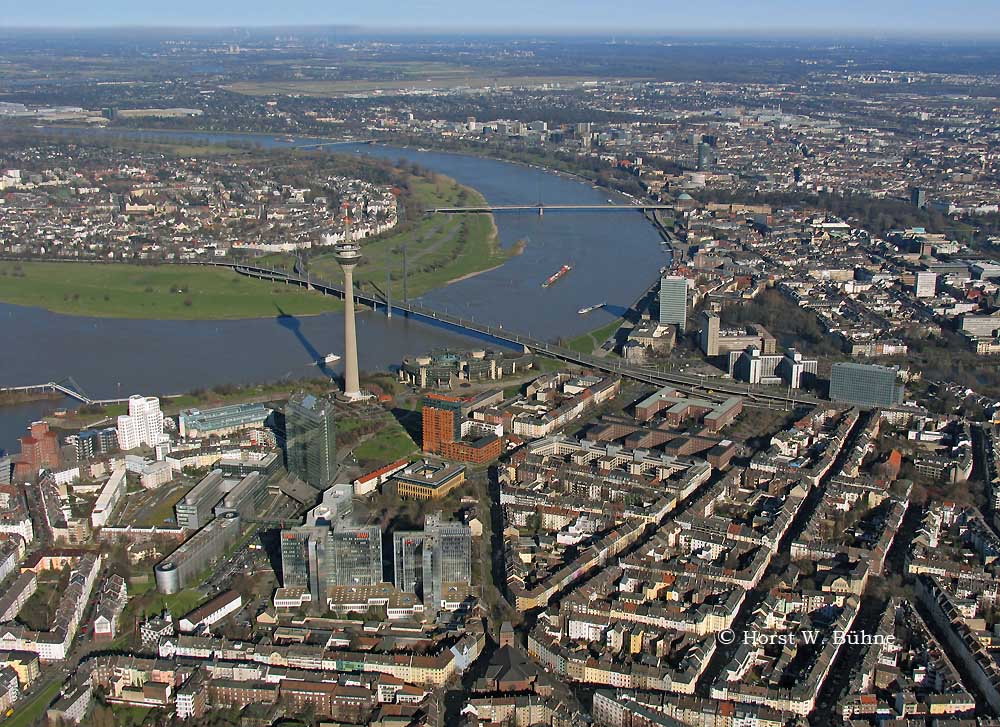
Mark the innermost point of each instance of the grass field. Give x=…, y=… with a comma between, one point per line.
x=590, y=342
x=178, y=603
x=35, y=709
x=440, y=248
x=164, y=509
x=388, y=445
x=183, y=292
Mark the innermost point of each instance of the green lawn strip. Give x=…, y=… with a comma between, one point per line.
x=178, y=604
x=590, y=342
x=164, y=508
x=35, y=709
x=182, y=292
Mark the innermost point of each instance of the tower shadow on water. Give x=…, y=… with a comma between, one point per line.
x=293, y=324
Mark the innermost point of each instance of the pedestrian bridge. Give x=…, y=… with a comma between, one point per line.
x=66, y=386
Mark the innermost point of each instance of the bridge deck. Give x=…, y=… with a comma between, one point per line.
x=702, y=385
x=537, y=207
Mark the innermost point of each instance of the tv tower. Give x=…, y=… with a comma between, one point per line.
x=348, y=254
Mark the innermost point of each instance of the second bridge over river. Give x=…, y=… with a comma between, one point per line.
x=540, y=208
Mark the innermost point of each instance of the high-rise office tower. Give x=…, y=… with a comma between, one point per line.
x=318, y=558
x=866, y=385
x=356, y=555
x=706, y=157
x=304, y=561
x=311, y=439
x=447, y=558
x=348, y=254
x=442, y=421
x=408, y=560
x=925, y=284
x=708, y=338
x=673, y=301
x=426, y=562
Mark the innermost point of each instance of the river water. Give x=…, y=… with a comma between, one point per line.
x=614, y=255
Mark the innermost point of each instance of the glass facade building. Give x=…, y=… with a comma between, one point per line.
x=222, y=420
x=447, y=558
x=408, y=560
x=304, y=562
x=865, y=385
x=356, y=556
x=673, y=301
x=310, y=440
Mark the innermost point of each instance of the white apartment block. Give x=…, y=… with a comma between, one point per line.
x=143, y=425
x=111, y=495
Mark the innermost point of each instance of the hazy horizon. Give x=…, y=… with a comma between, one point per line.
x=772, y=18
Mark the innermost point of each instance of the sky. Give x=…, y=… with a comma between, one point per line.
x=758, y=17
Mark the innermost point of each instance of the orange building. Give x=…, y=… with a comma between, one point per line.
x=442, y=421
x=483, y=450
x=442, y=432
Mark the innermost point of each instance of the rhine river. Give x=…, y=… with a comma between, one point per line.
x=615, y=256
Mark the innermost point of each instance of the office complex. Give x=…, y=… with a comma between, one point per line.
x=673, y=301
x=143, y=425
x=194, y=510
x=303, y=559
x=355, y=554
x=715, y=340
x=310, y=439
x=706, y=157
x=447, y=559
x=428, y=479
x=442, y=421
x=308, y=552
x=408, y=560
x=317, y=557
x=245, y=498
x=177, y=570
x=865, y=385
x=222, y=420
x=447, y=432
x=432, y=562
x=755, y=367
